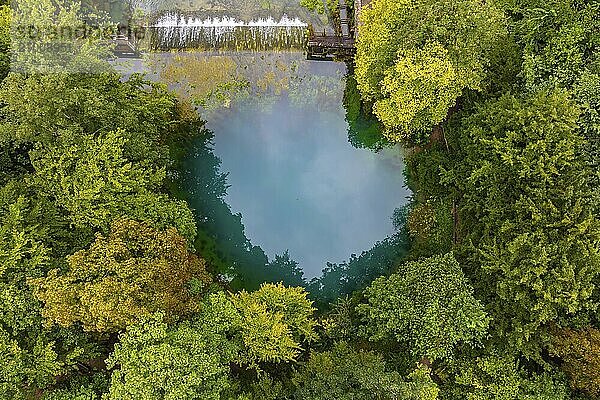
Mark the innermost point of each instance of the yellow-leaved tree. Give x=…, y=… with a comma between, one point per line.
x=416, y=58
x=133, y=272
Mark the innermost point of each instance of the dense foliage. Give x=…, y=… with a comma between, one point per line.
x=428, y=304
x=344, y=373
x=414, y=59
x=150, y=354
x=113, y=287
x=504, y=167
x=580, y=353
x=527, y=222
x=133, y=272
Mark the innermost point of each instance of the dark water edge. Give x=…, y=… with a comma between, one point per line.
x=233, y=252
x=222, y=240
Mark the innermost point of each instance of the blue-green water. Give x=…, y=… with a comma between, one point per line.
x=277, y=171
x=298, y=182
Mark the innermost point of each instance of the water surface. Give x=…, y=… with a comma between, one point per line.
x=298, y=182
x=281, y=136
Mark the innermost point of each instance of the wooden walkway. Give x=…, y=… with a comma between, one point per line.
x=124, y=48
x=322, y=46
x=329, y=47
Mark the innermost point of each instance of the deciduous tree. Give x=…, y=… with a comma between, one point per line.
x=415, y=59
x=94, y=181
x=275, y=322
x=579, y=351
x=347, y=374
x=31, y=236
x=153, y=361
x=495, y=377
x=134, y=271
x=527, y=224
x=427, y=305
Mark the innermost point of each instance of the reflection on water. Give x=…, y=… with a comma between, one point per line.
x=287, y=166
x=297, y=181
x=236, y=80
x=302, y=187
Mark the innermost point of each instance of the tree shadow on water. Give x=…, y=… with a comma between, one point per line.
x=221, y=238
x=364, y=130
x=223, y=243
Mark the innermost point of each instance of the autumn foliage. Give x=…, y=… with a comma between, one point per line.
x=579, y=351
x=134, y=271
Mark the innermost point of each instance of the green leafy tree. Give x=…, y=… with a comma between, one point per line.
x=430, y=226
x=347, y=374
x=415, y=59
x=587, y=94
x=192, y=359
x=496, y=377
x=559, y=43
x=314, y=5
x=94, y=181
x=275, y=321
x=427, y=305
x=5, y=40
x=559, y=39
x=135, y=271
x=31, y=236
x=580, y=354
x=159, y=362
x=79, y=388
x=526, y=223
x=48, y=38
x=39, y=108
x=100, y=146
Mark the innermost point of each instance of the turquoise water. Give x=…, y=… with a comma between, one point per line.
x=297, y=182
x=280, y=170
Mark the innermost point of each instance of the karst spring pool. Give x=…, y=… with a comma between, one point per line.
x=281, y=133
x=301, y=186
x=298, y=182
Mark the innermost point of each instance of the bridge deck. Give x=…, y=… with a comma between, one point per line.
x=123, y=47
x=331, y=41
x=329, y=47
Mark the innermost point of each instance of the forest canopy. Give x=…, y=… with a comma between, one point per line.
x=113, y=286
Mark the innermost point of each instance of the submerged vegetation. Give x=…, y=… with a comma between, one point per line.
x=117, y=284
